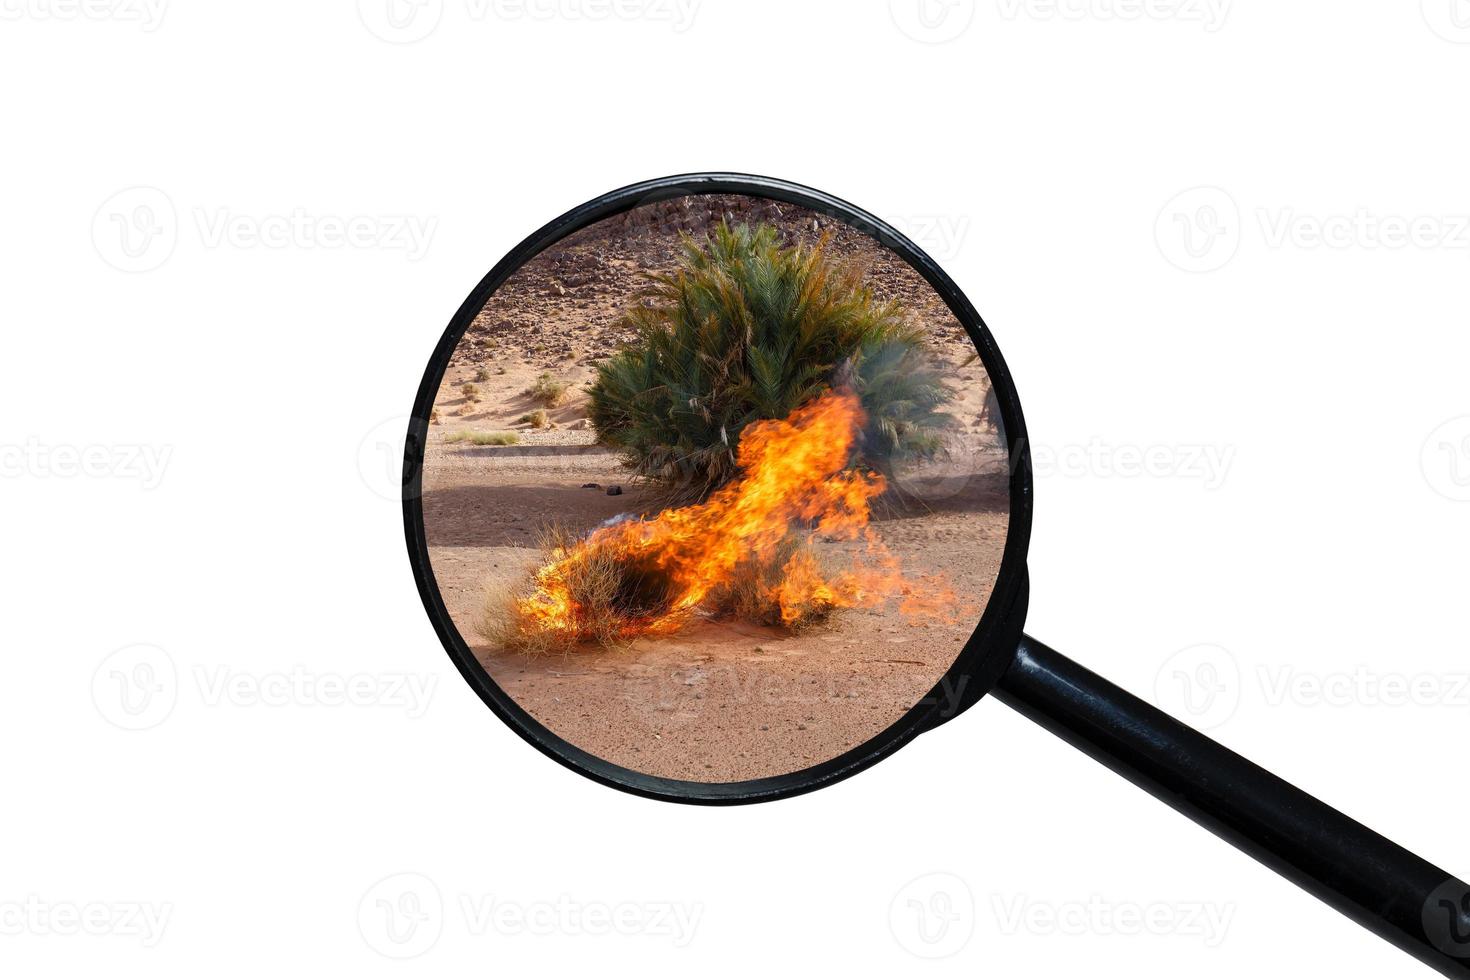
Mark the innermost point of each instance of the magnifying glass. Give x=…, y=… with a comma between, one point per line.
x=717, y=490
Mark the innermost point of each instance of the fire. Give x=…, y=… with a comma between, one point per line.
x=795, y=486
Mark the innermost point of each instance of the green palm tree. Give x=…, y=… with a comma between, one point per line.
x=745, y=329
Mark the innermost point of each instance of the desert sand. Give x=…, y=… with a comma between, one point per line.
x=724, y=700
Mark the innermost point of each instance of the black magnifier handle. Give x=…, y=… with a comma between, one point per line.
x=1398, y=895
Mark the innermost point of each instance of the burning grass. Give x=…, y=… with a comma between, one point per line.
x=602, y=585
x=754, y=593
x=748, y=551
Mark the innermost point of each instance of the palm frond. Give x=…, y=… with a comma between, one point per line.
x=746, y=329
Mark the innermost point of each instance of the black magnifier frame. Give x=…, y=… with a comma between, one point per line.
x=1389, y=890
x=974, y=671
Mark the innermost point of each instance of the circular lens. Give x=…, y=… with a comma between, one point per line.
x=714, y=486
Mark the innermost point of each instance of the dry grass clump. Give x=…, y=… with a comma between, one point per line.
x=548, y=390
x=606, y=594
x=470, y=391
x=482, y=438
x=537, y=419
x=482, y=375
x=612, y=597
x=753, y=593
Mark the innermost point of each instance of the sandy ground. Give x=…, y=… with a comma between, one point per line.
x=723, y=701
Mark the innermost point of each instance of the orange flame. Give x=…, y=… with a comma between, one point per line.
x=794, y=480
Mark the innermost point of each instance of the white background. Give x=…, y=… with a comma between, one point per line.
x=254, y=321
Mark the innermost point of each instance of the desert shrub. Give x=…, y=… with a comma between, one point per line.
x=610, y=594
x=746, y=329
x=604, y=591
x=548, y=390
x=482, y=375
x=482, y=438
x=470, y=391
x=752, y=592
x=536, y=420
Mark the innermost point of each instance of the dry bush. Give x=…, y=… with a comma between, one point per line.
x=501, y=625
x=482, y=375
x=537, y=419
x=470, y=391
x=607, y=595
x=611, y=597
x=548, y=390
x=751, y=593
